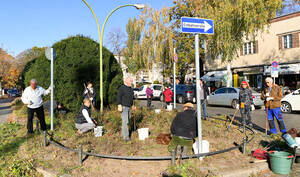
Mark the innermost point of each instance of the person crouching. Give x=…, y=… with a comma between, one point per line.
x=84, y=122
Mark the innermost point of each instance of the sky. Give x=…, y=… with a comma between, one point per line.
x=28, y=23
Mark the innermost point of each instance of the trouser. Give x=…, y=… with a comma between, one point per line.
x=149, y=99
x=204, y=110
x=177, y=143
x=168, y=103
x=125, y=122
x=85, y=127
x=278, y=115
x=246, y=115
x=41, y=116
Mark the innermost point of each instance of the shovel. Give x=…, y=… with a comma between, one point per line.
x=232, y=119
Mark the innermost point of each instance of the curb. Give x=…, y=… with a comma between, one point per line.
x=257, y=168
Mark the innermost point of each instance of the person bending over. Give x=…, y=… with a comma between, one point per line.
x=84, y=122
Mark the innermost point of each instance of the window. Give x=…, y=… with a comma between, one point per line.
x=249, y=48
x=157, y=87
x=287, y=41
x=231, y=90
x=220, y=91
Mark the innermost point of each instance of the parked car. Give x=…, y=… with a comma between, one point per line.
x=291, y=102
x=13, y=92
x=228, y=96
x=184, y=93
x=157, y=91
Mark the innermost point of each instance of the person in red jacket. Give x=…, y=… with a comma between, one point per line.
x=168, y=95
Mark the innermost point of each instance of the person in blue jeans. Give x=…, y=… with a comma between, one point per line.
x=204, y=92
x=272, y=95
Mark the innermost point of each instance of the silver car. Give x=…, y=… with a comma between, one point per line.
x=229, y=96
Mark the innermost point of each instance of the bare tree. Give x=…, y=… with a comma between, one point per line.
x=117, y=40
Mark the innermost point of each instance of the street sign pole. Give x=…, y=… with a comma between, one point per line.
x=52, y=59
x=197, y=62
x=174, y=80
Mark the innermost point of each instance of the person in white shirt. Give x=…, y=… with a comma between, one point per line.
x=84, y=122
x=32, y=97
x=90, y=93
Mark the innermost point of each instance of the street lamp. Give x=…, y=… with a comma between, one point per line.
x=137, y=6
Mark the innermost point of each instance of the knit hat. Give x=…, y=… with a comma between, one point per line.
x=244, y=82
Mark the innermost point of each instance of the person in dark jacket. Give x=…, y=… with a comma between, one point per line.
x=90, y=93
x=125, y=101
x=204, y=92
x=184, y=129
x=83, y=121
x=246, y=104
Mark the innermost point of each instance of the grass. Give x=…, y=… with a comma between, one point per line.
x=14, y=146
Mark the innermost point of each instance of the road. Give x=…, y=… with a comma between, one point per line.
x=258, y=116
x=5, y=110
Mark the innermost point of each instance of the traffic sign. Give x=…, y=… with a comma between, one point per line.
x=275, y=64
x=48, y=53
x=197, y=25
x=274, y=73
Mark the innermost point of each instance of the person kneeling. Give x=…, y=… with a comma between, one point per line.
x=184, y=130
x=84, y=122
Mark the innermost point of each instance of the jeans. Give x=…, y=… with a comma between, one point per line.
x=125, y=122
x=85, y=127
x=278, y=115
x=41, y=116
x=204, y=110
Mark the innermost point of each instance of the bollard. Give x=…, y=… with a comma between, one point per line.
x=80, y=155
x=45, y=141
x=173, y=157
x=244, y=145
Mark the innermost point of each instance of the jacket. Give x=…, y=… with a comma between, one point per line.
x=185, y=124
x=149, y=92
x=80, y=119
x=245, y=96
x=125, y=96
x=205, y=91
x=168, y=95
x=276, y=93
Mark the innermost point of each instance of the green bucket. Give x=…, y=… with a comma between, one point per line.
x=281, y=162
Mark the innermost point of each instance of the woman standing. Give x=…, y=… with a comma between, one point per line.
x=246, y=104
x=168, y=95
x=149, y=94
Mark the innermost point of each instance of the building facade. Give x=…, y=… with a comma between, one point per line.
x=279, y=42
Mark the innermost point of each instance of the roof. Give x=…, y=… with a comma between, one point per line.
x=285, y=17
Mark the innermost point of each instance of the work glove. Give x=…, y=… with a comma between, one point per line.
x=86, y=91
x=252, y=107
x=91, y=99
x=268, y=94
x=120, y=109
x=237, y=106
x=270, y=98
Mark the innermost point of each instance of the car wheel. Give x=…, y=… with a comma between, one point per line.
x=234, y=104
x=180, y=99
x=286, y=107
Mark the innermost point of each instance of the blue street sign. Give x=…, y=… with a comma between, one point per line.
x=197, y=25
x=275, y=64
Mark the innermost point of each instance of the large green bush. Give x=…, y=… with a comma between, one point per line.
x=77, y=62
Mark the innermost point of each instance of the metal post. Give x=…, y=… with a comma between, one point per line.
x=174, y=81
x=173, y=157
x=80, y=155
x=52, y=59
x=244, y=145
x=197, y=62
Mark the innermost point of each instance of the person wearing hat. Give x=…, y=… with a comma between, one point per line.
x=184, y=129
x=246, y=104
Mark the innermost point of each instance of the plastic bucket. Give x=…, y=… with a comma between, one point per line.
x=205, y=147
x=98, y=131
x=289, y=140
x=157, y=111
x=143, y=133
x=280, y=162
x=169, y=107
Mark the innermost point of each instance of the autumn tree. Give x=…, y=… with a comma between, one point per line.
x=6, y=61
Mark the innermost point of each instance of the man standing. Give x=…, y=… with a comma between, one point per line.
x=90, y=93
x=32, y=96
x=125, y=101
x=203, y=96
x=272, y=95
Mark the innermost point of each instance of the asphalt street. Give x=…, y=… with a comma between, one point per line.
x=258, y=116
x=5, y=109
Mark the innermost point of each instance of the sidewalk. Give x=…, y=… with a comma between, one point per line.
x=5, y=109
